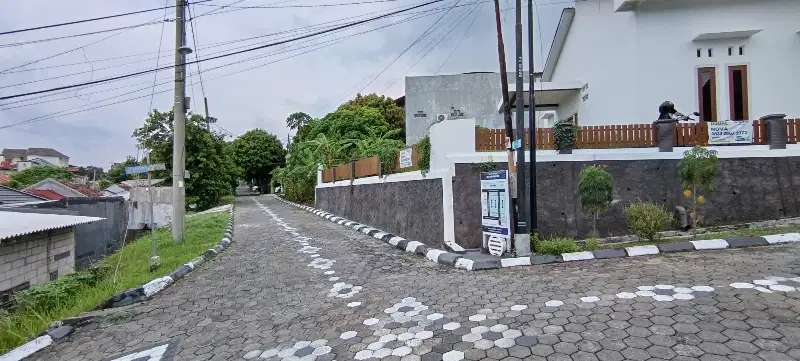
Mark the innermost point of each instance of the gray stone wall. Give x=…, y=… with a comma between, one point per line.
x=412, y=209
x=747, y=189
x=31, y=258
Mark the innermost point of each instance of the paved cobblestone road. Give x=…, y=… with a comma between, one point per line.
x=297, y=287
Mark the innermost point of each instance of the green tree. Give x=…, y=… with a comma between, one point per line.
x=298, y=120
x=33, y=175
x=596, y=190
x=212, y=172
x=698, y=171
x=116, y=174
x=257, y=153
x=393, y=114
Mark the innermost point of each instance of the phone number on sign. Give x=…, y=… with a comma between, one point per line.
x=719, y=133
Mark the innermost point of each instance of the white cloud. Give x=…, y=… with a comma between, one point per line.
x=263, y=97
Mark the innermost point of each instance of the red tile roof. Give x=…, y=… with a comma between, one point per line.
x=83, y=189
x=4, y=179
x=46, y=193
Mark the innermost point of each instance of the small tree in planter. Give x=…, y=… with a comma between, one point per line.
x=698, y=171
x=564, y=133
x=596, y=190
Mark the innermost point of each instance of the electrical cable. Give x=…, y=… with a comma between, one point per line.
x=301, y=6
x=409, y=47
x=158, y=58
x=22, y=43
x=455, y=24
x=196, y=53
x=62, y=113
x=86, y=20
x=457, y=44
x=220, y=56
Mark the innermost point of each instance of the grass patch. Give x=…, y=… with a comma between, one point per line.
x=125, y=269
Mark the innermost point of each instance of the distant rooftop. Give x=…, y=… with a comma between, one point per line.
x=19, y=224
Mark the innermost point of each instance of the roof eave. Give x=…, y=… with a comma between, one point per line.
x=560, y=38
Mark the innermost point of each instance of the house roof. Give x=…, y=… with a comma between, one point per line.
x=83, y=189
x=65, y=189
x=11, y=196
x=17, y=224
x=46, y=152
x=140, y=182
x=46, y=194
x=564, y=24
x=13, y=152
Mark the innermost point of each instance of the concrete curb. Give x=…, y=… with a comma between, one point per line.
x=61, y=329
x=456, y=260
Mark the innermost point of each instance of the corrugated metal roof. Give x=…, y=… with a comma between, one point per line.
x=14, y=224
x=10, y=195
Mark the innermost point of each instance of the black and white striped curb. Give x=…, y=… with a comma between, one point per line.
x=149, y=289
x=688, y=246
x=61, y=329
x=452, y=259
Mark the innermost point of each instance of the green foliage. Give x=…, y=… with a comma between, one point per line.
x=298, y=120
x=424, y=147
x=591, y=244
x=698, y=169
x=33, y=175
x=116, y=174
x=392, y=114
x=257, y=153
x=596, y=190
x=103, y=183
x=49, y=295
x=554, y=246
x=213, y=173
x=564, y=133
x=646, y=219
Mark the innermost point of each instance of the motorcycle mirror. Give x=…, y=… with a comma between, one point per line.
x=697, y=114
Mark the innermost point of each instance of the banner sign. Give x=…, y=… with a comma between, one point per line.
x=730, y=132
x=495, y=204
x=405, y=157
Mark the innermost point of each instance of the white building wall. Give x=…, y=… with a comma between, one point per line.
x=633, y=61
x=61, y=162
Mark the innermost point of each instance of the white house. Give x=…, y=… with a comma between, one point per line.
x=32, y=157
x=727, y=59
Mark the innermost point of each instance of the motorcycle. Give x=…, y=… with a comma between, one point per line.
x=667, y=112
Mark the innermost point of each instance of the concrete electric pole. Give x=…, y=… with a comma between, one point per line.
x=532, y=126
x=522, y=239
x=179, y=134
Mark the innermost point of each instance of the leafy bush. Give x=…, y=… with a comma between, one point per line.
x=424, y=147
x=698, y=171
x=591, y=244
x=554, y=246
x=647, y=219
x=596, y=190
x=49, y=295
x=564, y=133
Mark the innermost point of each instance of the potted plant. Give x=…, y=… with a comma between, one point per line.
x=564, y=136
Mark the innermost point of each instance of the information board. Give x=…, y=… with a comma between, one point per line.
x=495, y=204
x=730, y=132
x=405, y=157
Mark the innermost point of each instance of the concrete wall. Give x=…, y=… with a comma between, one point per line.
x=633, y=61
x=476, y=95
x=748, y=189
x=31, y=258
x=410, y=209
x=139, y=216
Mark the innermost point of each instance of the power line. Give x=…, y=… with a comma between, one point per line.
x=330, y=43
x=301, y=6
x=85, y=20
x=158, y=57
x=22, y=43
x=220, y=56
x=196, y=53
x=457, y=44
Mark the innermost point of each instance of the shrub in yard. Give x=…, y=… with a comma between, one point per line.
x=596, y=190
x=556, y=246
x=698, y=171
x=49, y=295
x=646, y=219
x=591, y=244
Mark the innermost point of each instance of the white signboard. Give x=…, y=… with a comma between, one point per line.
x=405, y=157
x=730, y=132
x=495, y=204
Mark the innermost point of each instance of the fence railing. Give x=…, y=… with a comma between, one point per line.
x=626, y=136
x=370, y=167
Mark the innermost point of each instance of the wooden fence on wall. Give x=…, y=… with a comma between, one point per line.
x=368, y=167
x=626, y=136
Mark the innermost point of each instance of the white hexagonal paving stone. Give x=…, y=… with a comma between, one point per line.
x=590, y=299
x=363, y=354
x=401, y=351
x=424, y=335
x=269, y=353
x=435, y=316
x=782, y=288
x=498, y=328
x=405, y=336
x=453, y=356
x=664, y=287
x=626, y=295
x=682, y=290
x=519, y=307
x=512, y=334
x=354, y=304
x=763, y=289
x=451, y=326
x=703, y=288
x=504, y=343
x=375, y=345
x=553, y=303
x=765, y=282
x=477, y=318
x=483, y=344
x=742, y=285
x=646, y=288
x=777, y=278
x=322, y=350
x=663, y=298
x=388, y=338
x=414, y=342
x=645, y=293
x=683, y=296
x=371, y=321
x=381, y=353
x=471, y=337
x=252, y=354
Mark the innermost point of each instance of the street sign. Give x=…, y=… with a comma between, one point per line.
x=516, y=144
x=186, y=174
x=495, y=204
x=145, y=168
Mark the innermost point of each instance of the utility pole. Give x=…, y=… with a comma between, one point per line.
x=532, y=126
x=501, y=53
x=179, y=134
x=522, y=239
x=208, y=120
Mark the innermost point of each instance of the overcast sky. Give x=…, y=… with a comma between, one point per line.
x=314, y=82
